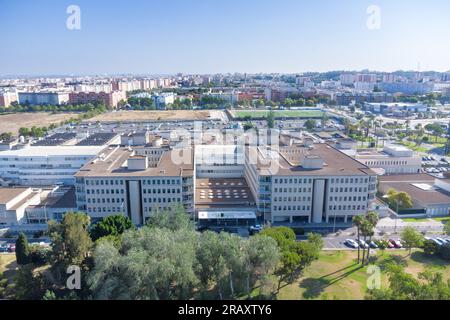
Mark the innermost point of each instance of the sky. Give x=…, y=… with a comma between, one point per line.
x=221, y=36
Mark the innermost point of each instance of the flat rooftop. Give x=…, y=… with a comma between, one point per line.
x=336, y=163
x=114, y=163
x=419, y=186
x=217, y=193
x=46, y=151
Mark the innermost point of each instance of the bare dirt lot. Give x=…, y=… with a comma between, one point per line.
x=12, y=122
x=157, y=115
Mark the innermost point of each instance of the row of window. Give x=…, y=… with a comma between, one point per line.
x=161, y=182
x=161, y=200
x=105, y=191
x=105, y=209
x=347, y=207
x=279, y=199
x=106, y=200
x=289, y=208
x=159, y=191
x=292, y=190
x=348, y=189
x=104, y=182
x=292, y=180
x=348, y=198
x=349, y=180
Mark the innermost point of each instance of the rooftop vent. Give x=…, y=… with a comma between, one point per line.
x=312, y=162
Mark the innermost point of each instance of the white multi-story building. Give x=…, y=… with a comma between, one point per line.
x=393, y=159
x=43, y=98
x=45, y=165
x=309, y=183
x=122, y=182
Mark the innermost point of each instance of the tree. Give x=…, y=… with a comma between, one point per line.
x=174, y=218
x=261, y=256
x=403, y=286
x=399, y=200
x=411, y=238
x=447, y=228
x=294, y=256
x=22, y=250
x=324, y=120
x=357, y=222
x=71, y=242
x=270, y=119
x=28, y=285
x=310, y=124
x=436, y=129
x=430, y=247
x=152, y=263
x=6, y=136
x=114, y=225
x=373, y=218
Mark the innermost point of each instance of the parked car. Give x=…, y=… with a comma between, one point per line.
x=351, y=243
x=12, y=248
x=254, y=229
x=373, y=245
x=3, y=248
x=444, y=241
x=396, y=243
x=363, y=244
x=438, y=241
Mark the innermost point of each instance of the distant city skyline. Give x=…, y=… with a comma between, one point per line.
x=223, y=36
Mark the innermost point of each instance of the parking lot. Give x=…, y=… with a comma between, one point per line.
x=339, y=242
x=435, y=165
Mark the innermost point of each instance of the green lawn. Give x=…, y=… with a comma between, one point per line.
x=335, y=275
x=442, y=219
x=415, y=219
x=278, y=113
x=8, y=265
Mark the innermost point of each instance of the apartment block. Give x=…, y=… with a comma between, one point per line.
x=6, y=98
x=43, y=98
x=109, y=99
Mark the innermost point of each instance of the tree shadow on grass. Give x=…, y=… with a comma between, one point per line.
x=428, y=260
x=392, y=259
x=10, y=271
x=314, y=287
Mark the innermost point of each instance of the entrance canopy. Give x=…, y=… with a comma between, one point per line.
x=226, y=215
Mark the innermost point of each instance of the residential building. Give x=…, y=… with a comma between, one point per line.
x=43, y=98
x=109, y=99
x=6, y=98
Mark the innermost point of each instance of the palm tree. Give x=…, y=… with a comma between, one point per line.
x=357, y=221
x=366, y=231
x=372, y=218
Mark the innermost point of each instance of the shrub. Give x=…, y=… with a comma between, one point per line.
x=429, y=247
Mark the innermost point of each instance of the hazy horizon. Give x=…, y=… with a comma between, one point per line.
x=222, y=36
